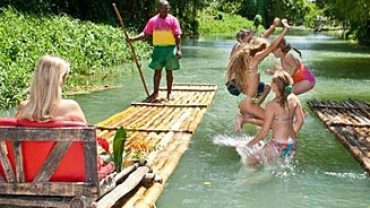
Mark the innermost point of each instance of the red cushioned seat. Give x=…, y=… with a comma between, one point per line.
x=8, y=122
x=70, y=169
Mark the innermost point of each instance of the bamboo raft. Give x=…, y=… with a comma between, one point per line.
x=159, y=133
x=350, y=122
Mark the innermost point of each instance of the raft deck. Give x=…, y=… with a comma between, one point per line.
x=160, y=133
x=350, y=122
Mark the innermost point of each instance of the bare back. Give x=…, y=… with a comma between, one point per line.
x=283, y=118
x=66, y=110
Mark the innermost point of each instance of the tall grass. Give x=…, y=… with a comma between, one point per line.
x=91, y=50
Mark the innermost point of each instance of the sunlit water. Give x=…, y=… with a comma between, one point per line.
x=210, y=174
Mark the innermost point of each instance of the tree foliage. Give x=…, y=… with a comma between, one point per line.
x=356, y=13
x=135, y=12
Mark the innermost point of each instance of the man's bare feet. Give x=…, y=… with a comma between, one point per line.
x=151, y=98
x=170, y=97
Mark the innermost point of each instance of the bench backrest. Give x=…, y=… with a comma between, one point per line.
x=46, y=152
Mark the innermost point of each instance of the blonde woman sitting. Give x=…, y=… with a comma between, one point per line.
x=45, y=102
x=46, y=107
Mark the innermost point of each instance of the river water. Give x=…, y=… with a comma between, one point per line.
x=322, y=173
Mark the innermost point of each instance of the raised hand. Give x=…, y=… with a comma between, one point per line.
x=276, y=22
x=285, y=23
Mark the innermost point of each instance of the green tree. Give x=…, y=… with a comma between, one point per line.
x=249, y=8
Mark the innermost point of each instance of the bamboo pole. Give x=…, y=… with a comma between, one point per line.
x=121, y=190
x=131, y=47
x=139, y=194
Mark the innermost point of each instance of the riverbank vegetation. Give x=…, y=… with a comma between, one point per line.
x=91, y=49
x=352, y=15
x=218, y=22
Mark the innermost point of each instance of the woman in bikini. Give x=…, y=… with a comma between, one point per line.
x=243, y=66
x=303, y=79
x=279, y=116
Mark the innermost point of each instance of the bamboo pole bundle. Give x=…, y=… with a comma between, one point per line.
x=356, y=152
x=203, y=98
x=148, y=122
x=152, y=194
x=164, y=155
x=199, y=98
x=164, y=149
x=183, y=115
x=152, y=156
x=139, y=194
x=134, y=121
x=122, y=189
x=129, y=117
x=192, y=119
x=138, y=117
x=210, y=98
x=155, y=117
x=172, y=118
x=168, y=168
x=197, y=120
x=162, y=123
x=113, y=120
x=153, y=139
x=194, y=85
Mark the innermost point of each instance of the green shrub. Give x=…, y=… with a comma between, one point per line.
x=213, y=22
x=91, y=50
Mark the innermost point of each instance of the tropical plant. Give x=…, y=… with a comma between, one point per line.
x=118, y=148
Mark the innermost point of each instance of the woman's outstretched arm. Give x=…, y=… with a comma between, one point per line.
x=263, y=54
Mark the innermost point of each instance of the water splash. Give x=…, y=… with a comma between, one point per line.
x=239, y=142
x=280, y=167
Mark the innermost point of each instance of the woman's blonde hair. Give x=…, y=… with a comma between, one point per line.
x=45, y=91
x=238, y=66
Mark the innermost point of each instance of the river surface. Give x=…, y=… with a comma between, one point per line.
x=322, y=173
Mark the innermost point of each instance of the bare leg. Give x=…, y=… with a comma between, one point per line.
x=266, y=154
x=157, y=81
x=302, y=87
x=253, y=160
x=169, y=78
x=247, y=107
x=255, y=121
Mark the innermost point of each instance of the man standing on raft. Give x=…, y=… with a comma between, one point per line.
x=165, y=31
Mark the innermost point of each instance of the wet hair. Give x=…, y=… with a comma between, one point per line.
x=163, y=2
x=286, y=47
x=284, y=82
x=45, y=90
x=241, y=34
x=239, y=62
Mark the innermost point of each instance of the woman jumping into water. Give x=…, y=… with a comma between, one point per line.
x=303, y=79
x=244, y=67
x=284, y=115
